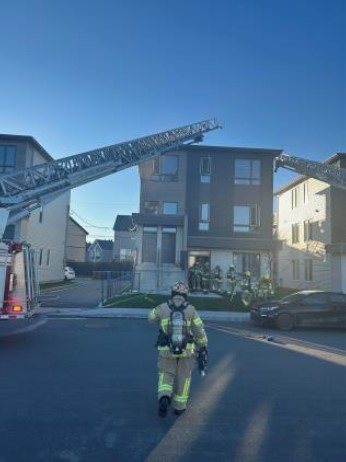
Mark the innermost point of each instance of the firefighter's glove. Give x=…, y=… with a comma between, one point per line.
x=202, y=359
x=203, y=351
x=162, y=339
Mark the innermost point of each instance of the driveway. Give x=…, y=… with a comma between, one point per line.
x=79, y=293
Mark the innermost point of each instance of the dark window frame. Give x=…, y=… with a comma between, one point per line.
x=149, y=244
x=295, y=233
x=151, y=207
x=253, y=219
x=7, y=165
x=161, y=169
x=252, y=174
x=308, y=230
x=204, y=221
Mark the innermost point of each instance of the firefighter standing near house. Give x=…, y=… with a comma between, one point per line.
x=181, y=330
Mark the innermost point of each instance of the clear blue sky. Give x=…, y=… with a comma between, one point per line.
x=78, y=75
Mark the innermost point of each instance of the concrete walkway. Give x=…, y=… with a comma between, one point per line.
x=136, y=313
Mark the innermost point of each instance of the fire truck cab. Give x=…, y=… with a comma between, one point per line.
x=19, y=289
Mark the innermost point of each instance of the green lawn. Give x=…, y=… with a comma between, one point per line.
x=217, y=303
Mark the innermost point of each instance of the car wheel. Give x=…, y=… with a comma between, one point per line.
x=285, y=322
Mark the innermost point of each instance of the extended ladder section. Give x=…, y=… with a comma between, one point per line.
x=29, y=188
x=331, y=175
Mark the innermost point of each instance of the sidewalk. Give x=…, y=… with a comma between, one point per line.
x=136, y=313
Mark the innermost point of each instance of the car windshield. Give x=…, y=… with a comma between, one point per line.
x=293, y=297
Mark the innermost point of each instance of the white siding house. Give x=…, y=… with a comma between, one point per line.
x=304, y=226
x=44, y=229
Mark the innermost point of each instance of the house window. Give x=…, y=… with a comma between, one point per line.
x=9, y=233
x=149, y=244
x=205, y=169
x=7, y=158
x=246, y=218
x=125, y=254
x=306, y=192
x=168, y=245
x=156, y=166
x=48, y=257
x=40, y=218
x=247, y=172
x=247, y=262
x=308, y=270
x=165, y=168
x=204, y=217
x=170, y=208
x=169, y=165
x=40, y=257
x=294, y=198
x=151, y=207
x=295, y=270
x=307, y=230
x=295, y=233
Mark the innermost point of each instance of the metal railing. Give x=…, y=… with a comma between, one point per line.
x=113, y=283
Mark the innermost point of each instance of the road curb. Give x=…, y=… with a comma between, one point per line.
x=135, y=313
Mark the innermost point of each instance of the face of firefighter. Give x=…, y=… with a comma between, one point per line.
x=178, y=300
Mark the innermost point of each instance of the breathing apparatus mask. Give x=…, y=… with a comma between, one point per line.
x=179, y=294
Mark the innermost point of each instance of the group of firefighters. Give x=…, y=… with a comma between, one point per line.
x=203, y=278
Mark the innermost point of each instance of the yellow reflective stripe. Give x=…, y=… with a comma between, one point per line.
x=164, y=324
x=185, y=396
x=186, y=387
x=198, y=321
x=161, y=374
x=163, y=348
x=165, y=388
x=180, y=398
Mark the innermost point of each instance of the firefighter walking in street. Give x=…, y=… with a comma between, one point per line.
x=181, y=330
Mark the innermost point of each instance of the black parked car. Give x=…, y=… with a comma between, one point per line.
x=307, y=308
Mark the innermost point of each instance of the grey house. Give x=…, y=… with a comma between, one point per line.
x=101, y=250
x=124, y=242
x=206, y=203
x=75, y=242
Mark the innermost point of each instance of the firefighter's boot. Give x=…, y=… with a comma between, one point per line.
x=163, y=405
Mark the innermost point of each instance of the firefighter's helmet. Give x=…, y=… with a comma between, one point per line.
x=180, y=288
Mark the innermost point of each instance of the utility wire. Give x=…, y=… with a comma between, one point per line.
x=89, y=224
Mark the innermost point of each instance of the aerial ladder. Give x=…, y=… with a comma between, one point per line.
x=310, y=168
x=27, y=189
